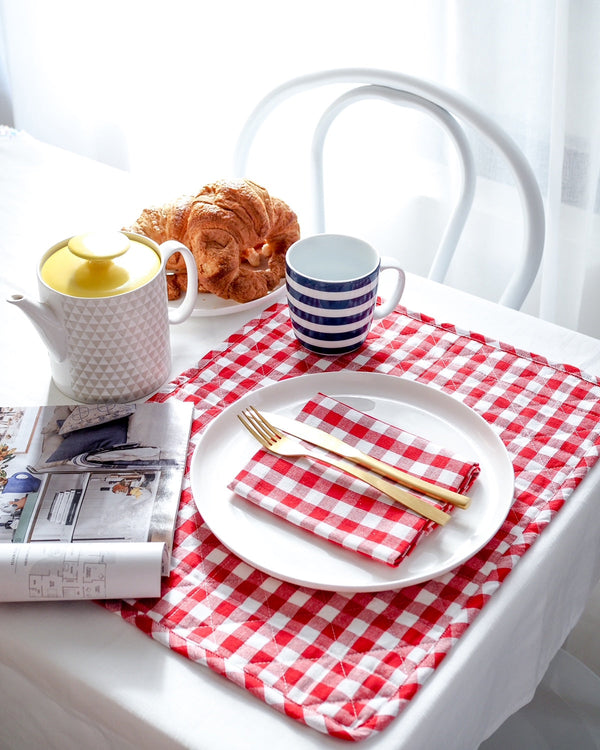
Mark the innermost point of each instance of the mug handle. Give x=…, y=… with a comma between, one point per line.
x=184, y=309
x=387, y=306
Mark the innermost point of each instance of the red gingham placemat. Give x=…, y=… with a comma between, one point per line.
x=342, y=509
x=347, y=664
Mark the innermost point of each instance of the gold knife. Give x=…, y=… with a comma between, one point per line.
x=322, y=439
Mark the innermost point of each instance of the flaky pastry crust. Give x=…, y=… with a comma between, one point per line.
x=237, y=232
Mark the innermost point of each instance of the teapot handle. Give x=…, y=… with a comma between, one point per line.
x=184, y=309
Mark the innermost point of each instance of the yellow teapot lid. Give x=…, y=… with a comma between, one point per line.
x=100, y=264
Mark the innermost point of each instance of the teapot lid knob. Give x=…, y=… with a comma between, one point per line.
x=99, y=246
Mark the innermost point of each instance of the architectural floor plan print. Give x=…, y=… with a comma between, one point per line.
x=76, y=576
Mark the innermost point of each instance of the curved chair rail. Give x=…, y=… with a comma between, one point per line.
x=454, y=228
x=531, y=199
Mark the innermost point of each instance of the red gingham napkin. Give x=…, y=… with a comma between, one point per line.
x=339, y=507
x=347, y=664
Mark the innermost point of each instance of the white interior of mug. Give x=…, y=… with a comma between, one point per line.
x=332, y=257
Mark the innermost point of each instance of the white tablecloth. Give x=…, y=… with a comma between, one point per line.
x=74, y=676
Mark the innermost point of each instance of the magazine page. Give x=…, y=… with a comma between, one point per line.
x=103, y=474
x=53, y=571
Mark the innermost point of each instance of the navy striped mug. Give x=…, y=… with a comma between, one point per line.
x=331, y=283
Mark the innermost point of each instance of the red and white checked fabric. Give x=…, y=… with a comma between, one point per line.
x=342, y=509
x=347, y=664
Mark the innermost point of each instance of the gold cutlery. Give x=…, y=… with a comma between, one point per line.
x=276, y=442
x=328, y=442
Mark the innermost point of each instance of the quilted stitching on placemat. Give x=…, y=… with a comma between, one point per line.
x=348, y=664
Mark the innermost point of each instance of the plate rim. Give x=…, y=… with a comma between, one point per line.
x=230, y=307
x=506, y=473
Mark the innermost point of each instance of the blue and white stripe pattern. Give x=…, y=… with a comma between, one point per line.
x=331, y=317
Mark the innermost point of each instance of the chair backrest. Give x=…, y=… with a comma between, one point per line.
x=448, y=109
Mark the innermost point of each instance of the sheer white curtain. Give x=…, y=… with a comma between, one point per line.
x=162, y=89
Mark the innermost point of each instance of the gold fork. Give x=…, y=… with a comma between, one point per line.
x=276, y=442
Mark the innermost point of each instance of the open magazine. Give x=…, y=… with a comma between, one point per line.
x=89, y=498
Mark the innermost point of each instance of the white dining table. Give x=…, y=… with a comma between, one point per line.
x=73, y=675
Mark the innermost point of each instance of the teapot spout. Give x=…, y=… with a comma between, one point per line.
x=46, y=323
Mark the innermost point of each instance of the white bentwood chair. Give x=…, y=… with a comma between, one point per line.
x=449, y=110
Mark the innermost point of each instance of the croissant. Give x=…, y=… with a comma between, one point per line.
x=237, y=232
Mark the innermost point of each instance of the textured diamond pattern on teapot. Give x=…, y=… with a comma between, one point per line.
x=118, y=348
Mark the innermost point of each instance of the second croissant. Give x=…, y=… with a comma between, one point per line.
x=237, y=232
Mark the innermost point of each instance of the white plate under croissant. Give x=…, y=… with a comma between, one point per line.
x=209, y=305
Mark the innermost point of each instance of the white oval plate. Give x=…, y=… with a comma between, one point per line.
x=209, y=305
x=291, y=554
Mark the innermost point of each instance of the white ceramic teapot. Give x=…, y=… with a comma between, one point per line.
x=104, y=315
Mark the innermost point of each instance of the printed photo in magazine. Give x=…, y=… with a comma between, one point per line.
x=94, y=475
